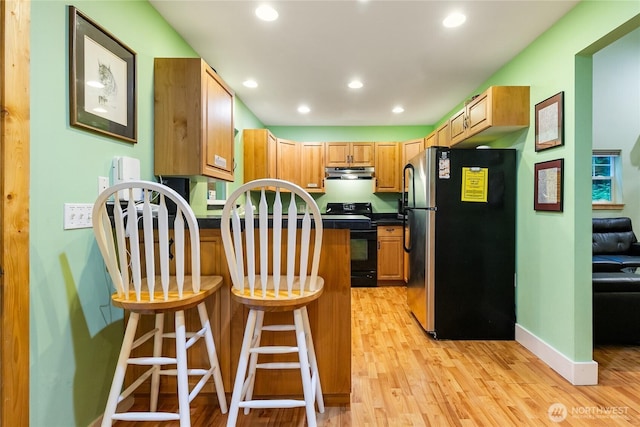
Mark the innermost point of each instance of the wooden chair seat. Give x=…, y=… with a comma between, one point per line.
x=208, y=286
x=283, y=301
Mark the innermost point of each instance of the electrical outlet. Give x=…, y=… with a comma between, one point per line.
x=77, y=215
x=103, y=183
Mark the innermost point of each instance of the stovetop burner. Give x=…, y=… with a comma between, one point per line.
x=350, y=208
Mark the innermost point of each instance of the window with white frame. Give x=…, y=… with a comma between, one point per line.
x=606, y=186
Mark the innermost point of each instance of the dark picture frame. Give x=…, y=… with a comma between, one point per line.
x=102, y=80
x=548, y=185
x=550, y=122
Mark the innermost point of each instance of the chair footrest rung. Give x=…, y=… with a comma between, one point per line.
x=274, y=349
x=271, y=404
x=152, y=361
x=146, y=416
x=279, y=365
x=279, y=328
x=191, y=372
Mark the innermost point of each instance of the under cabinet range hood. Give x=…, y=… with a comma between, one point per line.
x=349, y=173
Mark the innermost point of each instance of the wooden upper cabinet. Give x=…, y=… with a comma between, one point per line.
x=387, y=167
x=260, y=154
x=457, y=126
x=443, y=135
x=193, y=120
x=410, y=149
x=495, y=112
x=344, y=154
x=312, y=166
x=288, y=154
x=430, y=140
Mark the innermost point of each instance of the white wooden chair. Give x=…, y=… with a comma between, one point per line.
x=144, y=287
x=286, y=282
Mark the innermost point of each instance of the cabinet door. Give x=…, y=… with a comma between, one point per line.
x=218, y=132
x=387, y=168
x=410, y=149
x=443, y=137
x=288, y=160
x=312, y=162
x=337, y=154
x=362, y=154
x=430, y=140
x=478, y=114
x=390, y=253
x=260, y=154
x=457, y=127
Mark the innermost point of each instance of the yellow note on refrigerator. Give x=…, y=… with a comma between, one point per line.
x=475, y=183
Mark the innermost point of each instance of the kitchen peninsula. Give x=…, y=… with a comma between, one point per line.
x=330, y=316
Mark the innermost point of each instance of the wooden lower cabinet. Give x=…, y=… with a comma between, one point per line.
x=330, y=318
x=390, y=253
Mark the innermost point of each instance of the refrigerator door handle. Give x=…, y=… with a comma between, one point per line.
x=408, y=166
x=405, y=224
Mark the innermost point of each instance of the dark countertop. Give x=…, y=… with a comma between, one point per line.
x=387, y=219
x=351, y=222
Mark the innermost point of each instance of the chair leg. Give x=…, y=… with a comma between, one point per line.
x=303, y=355
x=121, y=369
x=183, y=378
x=213, y=357
x=312, y=359
x=157, y=352
x=253, y=361
x=242, y=369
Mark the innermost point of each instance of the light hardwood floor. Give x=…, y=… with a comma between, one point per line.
x=402, y=377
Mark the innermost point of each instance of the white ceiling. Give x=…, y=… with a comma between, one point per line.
x=399, y=49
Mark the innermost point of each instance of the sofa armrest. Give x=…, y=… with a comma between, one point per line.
x=634, y=249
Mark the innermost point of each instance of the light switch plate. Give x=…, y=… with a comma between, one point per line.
x=77, y=215
x=103, y=183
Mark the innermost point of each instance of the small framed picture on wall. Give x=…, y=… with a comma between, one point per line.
x=550, y=122
x=547, y=194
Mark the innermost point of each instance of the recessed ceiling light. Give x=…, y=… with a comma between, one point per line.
x=250, y=83
x=398, y=110
x=454, y=20
x=266, y=13
x=303, y=109
x=355, y=84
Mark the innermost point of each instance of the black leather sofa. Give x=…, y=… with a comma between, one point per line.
x=614, y=245
x=616, y=287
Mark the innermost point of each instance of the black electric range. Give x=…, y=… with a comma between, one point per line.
x=364, y=246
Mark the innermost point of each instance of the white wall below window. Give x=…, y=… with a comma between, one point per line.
x=616, y=115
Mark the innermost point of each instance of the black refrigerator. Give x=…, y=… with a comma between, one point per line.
x=460, y=220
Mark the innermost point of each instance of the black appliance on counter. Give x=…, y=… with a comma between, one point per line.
x=461, y=224
x=364, y=245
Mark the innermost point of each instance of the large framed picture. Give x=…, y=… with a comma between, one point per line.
x=102, y=80
x=550, y=122
x=547, y=194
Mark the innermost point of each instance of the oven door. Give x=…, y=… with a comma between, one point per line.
x=364, y=258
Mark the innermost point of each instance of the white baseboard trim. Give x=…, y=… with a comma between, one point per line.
x=577, y=373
